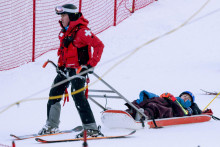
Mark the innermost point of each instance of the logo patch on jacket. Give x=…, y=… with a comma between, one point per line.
x=88, y=33
x=61, y=34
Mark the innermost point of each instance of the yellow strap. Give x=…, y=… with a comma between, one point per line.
x=184, y=110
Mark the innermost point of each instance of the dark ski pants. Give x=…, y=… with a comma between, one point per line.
x=82, y=105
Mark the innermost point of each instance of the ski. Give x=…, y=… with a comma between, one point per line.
x=76, y=129
x=209, y=93
x=89, y=138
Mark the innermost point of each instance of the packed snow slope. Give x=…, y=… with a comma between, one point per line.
x=186, y=59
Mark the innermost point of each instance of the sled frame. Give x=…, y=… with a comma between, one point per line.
x=112, y=91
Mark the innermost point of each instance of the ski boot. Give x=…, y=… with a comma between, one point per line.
x=48, y=130
x=90, y=133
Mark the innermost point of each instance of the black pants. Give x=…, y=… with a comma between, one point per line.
x=82, y=105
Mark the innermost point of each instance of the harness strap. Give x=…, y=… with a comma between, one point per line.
x=184, y=110
x=66, y=97
x=142, y=121
x=87, y=90
x=152, y=117
x=215, y=118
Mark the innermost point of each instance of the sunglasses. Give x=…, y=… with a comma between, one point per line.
x=62, y=10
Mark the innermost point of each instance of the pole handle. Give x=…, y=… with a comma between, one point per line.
x=45, y=64
x=78, y=70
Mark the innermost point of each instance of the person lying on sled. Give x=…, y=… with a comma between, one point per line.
x=188, y=96
x=164, y=106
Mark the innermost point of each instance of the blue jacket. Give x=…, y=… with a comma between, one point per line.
x=145, y=95
x=185, y=104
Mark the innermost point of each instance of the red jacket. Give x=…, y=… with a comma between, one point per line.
x=83, y=39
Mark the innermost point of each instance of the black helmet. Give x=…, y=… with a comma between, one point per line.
x=69, y=9
x=66, y=9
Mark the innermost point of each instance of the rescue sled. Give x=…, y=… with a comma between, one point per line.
x=122, y=119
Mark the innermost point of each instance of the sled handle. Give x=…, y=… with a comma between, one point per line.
x=120, y=95
x=45, y=64
x=211, y=102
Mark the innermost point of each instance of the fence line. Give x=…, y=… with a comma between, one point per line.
x=29, y=28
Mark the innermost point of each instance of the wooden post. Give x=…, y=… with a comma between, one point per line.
x=133, y=6
x=33, y=39
x=80, y=5
x=115, y=13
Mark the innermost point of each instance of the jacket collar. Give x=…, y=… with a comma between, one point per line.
x=73, y=24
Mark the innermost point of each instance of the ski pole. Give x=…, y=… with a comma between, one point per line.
x=49, y=61
x=66, y=80
x=13, y=144
x=83, y=66
x=211, y=102
x=59, y=71
x=85, y=139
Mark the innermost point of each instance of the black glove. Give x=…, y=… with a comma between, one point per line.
x=61, y=70
x=67, y=40
x=91, y=69
x=88, y=67
x=190, y=111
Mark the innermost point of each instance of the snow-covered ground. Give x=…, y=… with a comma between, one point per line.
x=187, y=59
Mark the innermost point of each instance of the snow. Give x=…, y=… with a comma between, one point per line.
x=187, y=59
